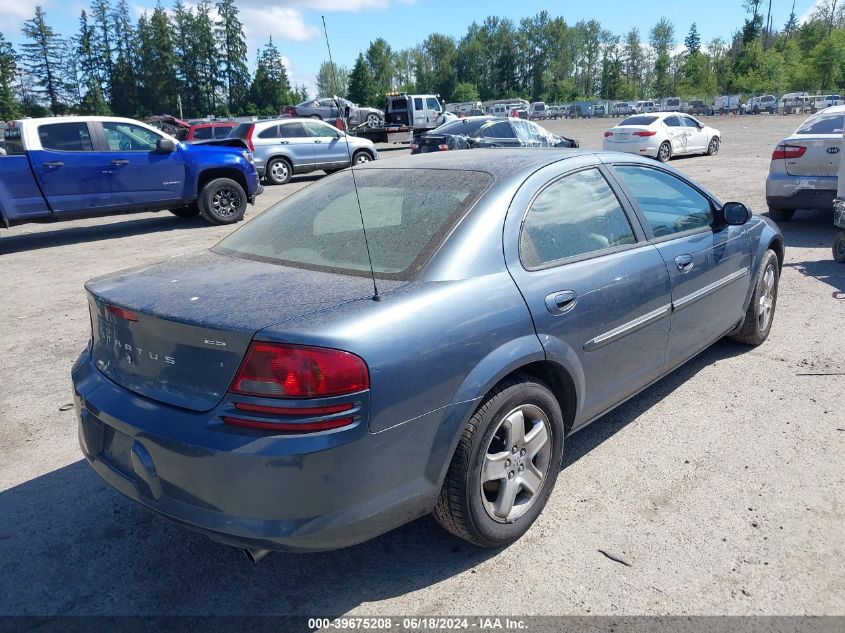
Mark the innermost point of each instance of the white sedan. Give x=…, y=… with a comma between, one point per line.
x=662, y=135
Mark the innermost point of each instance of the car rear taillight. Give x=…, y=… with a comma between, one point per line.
x=277, y=370
x=123, y=313
x=788, y=151
x=608, y=133
x=645, y=133
x=443, y=147
x=248, y=138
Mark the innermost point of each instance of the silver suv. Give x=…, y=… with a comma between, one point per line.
x=284, y=147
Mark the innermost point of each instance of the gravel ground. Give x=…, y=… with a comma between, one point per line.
x=722, y=484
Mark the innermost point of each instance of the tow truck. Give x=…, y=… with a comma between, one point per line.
x=406, y=117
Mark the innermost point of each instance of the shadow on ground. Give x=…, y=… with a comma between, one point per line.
x=70, y=545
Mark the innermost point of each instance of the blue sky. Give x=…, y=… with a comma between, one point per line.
x=295, y=24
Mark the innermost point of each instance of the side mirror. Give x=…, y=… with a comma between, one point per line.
x=735, y=213
x=165, y=146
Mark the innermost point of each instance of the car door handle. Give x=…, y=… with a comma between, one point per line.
x=53, y=164
x=684, y=263
x=561, y=302
x=119, y=162
x=284, y=142
x=318, y=142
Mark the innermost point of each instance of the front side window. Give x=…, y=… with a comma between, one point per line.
x=122, y=136
x=433, y=104
x=669, y=204
x=407, y=214
x=574, y=216
x=66, y=137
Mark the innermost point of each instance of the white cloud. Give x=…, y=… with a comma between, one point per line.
x=280, y=23
x=13, y=13
x=348, y=6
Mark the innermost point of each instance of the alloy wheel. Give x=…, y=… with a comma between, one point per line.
x=226, y=202
x=767, y=298
x=279, y=170
x=362, y=158
x=516, y=463
x=664, y=152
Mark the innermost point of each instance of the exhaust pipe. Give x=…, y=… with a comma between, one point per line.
x=255, y=555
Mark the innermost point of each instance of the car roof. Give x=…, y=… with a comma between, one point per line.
x=832, y=110
x=215, y=124
x=502, y=163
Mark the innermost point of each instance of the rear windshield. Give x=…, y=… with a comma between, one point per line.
x=462, y=127
x=240, y=131
x=829, y=124
x=407, y=213
x=638, y=120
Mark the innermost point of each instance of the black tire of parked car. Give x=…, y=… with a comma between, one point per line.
x=279, y=171
x=361, y=157
x=838, y=248
x=190, y=211
x=223, y=201
x=781, y=215
x=750, y=332
x=664, y=152
x=460, y=507
x=315, y=116
x=713, y=146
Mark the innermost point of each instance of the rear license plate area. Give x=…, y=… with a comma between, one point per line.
x=117, y=450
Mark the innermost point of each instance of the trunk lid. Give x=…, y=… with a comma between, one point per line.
x=176, y=332
x=821, y=157
x=625, y=134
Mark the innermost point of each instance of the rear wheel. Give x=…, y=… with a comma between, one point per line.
x=664, y=153
x=223, y=201
x=373, y=120
x=279, y=171
x=190, y=211
x=505, y=466
x=761, y=311
x=713, y=146
x=839, y=247
x=315, y=116
x=781, y=215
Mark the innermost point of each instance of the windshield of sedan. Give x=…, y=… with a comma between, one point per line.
x=638, y=120
x=829, y=124
x=407, y=213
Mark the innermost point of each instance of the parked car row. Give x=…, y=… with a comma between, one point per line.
x=488, y=131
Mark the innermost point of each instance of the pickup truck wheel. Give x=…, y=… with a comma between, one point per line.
x=223, y=201
x=190, y=211
x=781, y=215
x=839, y=247
x=757, y=324
x=279, y=171
x=505, y=465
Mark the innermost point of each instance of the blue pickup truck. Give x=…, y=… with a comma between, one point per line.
x=71, y=167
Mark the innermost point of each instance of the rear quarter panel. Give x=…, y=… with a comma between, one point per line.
x=20, y=195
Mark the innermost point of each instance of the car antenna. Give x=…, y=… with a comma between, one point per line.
x=376, y=296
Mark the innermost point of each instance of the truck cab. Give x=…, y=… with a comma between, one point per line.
x=420, y=112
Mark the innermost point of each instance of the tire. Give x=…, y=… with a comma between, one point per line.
x=373, y=120
x=279, y=171
x=361, y=157
x=713, y=146
x=495, y=513
x=756, y=110
x=190, y=211
x=781, y=215
x=838, y=248
x=664, y=152
x=223, y=201
x=760, y=314
x=316, y=116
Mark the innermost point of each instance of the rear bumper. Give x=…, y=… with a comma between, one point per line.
x=252, y=489
x=631, y=148
x=800, y=192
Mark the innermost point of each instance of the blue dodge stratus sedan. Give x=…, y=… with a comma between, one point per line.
x=308, y=385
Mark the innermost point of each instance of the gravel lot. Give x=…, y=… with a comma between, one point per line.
x=723, y=483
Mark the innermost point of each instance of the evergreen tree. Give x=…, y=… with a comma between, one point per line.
x=230, y=34
x=792, y=23
x=124, y=78
x=207, y=58
x=101, y=42
x=464, y=92
x=9, y=107
x=158, y=63
x=186, y=59
x=42, y=59
x=693, y=40
x=331, y=80
x=380, y=60
x=361, y=86
x=662, y=38
x=270, y=87
x=88, y=54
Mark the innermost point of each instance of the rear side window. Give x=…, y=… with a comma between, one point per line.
x=576, y=215
x=418, y=103
x=638, y=120
x=291, y=130
x=222, y=131
x=202, y=133
x=669, y=204
x=502, y=129
x=828, y=124
x=270, y=132
x=673, y=121
x=66, y=137
x=241, y=130
x=13, y=141
x=408, y=213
